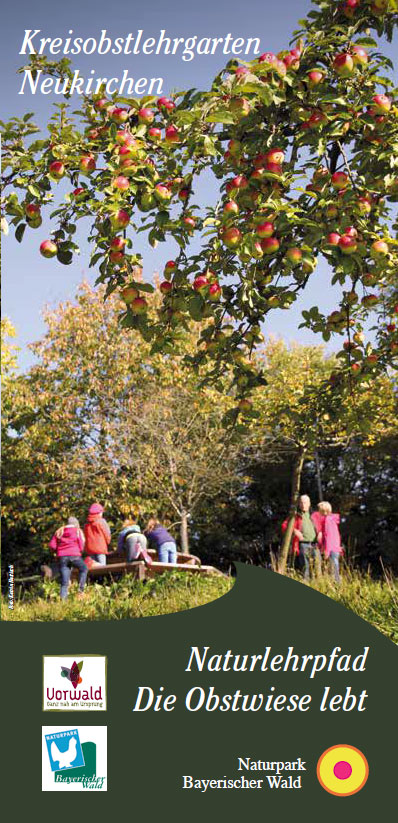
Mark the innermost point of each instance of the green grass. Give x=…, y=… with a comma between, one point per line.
x=374, y=600
x=171, y=592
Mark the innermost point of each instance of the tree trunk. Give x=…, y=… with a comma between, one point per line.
x=296, y=479
x=184, y=533
x=318, y=476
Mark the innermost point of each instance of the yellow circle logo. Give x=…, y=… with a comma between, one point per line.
x=342, y=770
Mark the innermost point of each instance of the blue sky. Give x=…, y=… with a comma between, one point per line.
x=30, y=281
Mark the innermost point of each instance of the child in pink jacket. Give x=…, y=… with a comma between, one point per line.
x=68, y=543
x=329, y=539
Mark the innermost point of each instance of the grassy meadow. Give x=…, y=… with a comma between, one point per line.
x=374, y=600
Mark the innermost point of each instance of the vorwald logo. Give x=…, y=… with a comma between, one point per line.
x=73, y=674
x=65, y=688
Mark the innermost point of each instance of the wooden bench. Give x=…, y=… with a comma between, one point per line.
x=182, y=559
x=116, y=567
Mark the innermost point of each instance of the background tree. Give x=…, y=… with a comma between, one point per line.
x=99, y=418
x=303, y=415
x=302, y=433
x=175, y=447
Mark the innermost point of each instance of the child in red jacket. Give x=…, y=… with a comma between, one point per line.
x=97, y=534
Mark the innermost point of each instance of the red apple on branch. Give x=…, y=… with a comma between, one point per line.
x=121, y=183
x=172, y=135
x=201, y=284
x=359, y=56
x=294, y=256
x=230, y=208
x=120, y=219
x=240, y=106
x=270, y=245
x=155, y=134
x=379, y=248
x=369, y=300
x=245, y=405
x=87, y=163
x=347, y=244
x=333, y=239
x=343, y=64
x=32, y=211
x=381, y=104
x=315, y=77
x=165, y=104
x=215, y=292
x=146, y=116
x=117, y=243
x=265, y=229
x=231, y=237
x=275, y=156
x=340, y=180
x=56, y=169
x=129, y=293
x=120, y=115
x=162, y=193
x=268, y=57
x=139, y=305
x=170, y=267
x=48, y=248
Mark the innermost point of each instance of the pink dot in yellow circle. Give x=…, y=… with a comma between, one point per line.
x=342, y=770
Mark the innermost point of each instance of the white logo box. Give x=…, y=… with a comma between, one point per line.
x=70, y=779
x=60, y=694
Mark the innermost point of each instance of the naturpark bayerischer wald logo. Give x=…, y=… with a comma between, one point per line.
x=74, y=759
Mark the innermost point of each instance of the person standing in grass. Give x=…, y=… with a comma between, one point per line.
x=305, y=538
x=329, y=536
x=68, y=545
x=97, y=534
x=162, y=540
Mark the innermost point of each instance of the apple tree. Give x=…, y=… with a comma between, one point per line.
x=304, y=150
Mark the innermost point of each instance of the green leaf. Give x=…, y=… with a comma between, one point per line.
x=65, y=257
x=366, y=41
x=195, y=307
x=220, y=116
x=34, y=190
x=146, y=287
x=20, y=231
x=208, y=145
x=95, y=258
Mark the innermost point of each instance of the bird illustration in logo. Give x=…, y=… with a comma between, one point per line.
x=65, y=759
x=73, y=674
